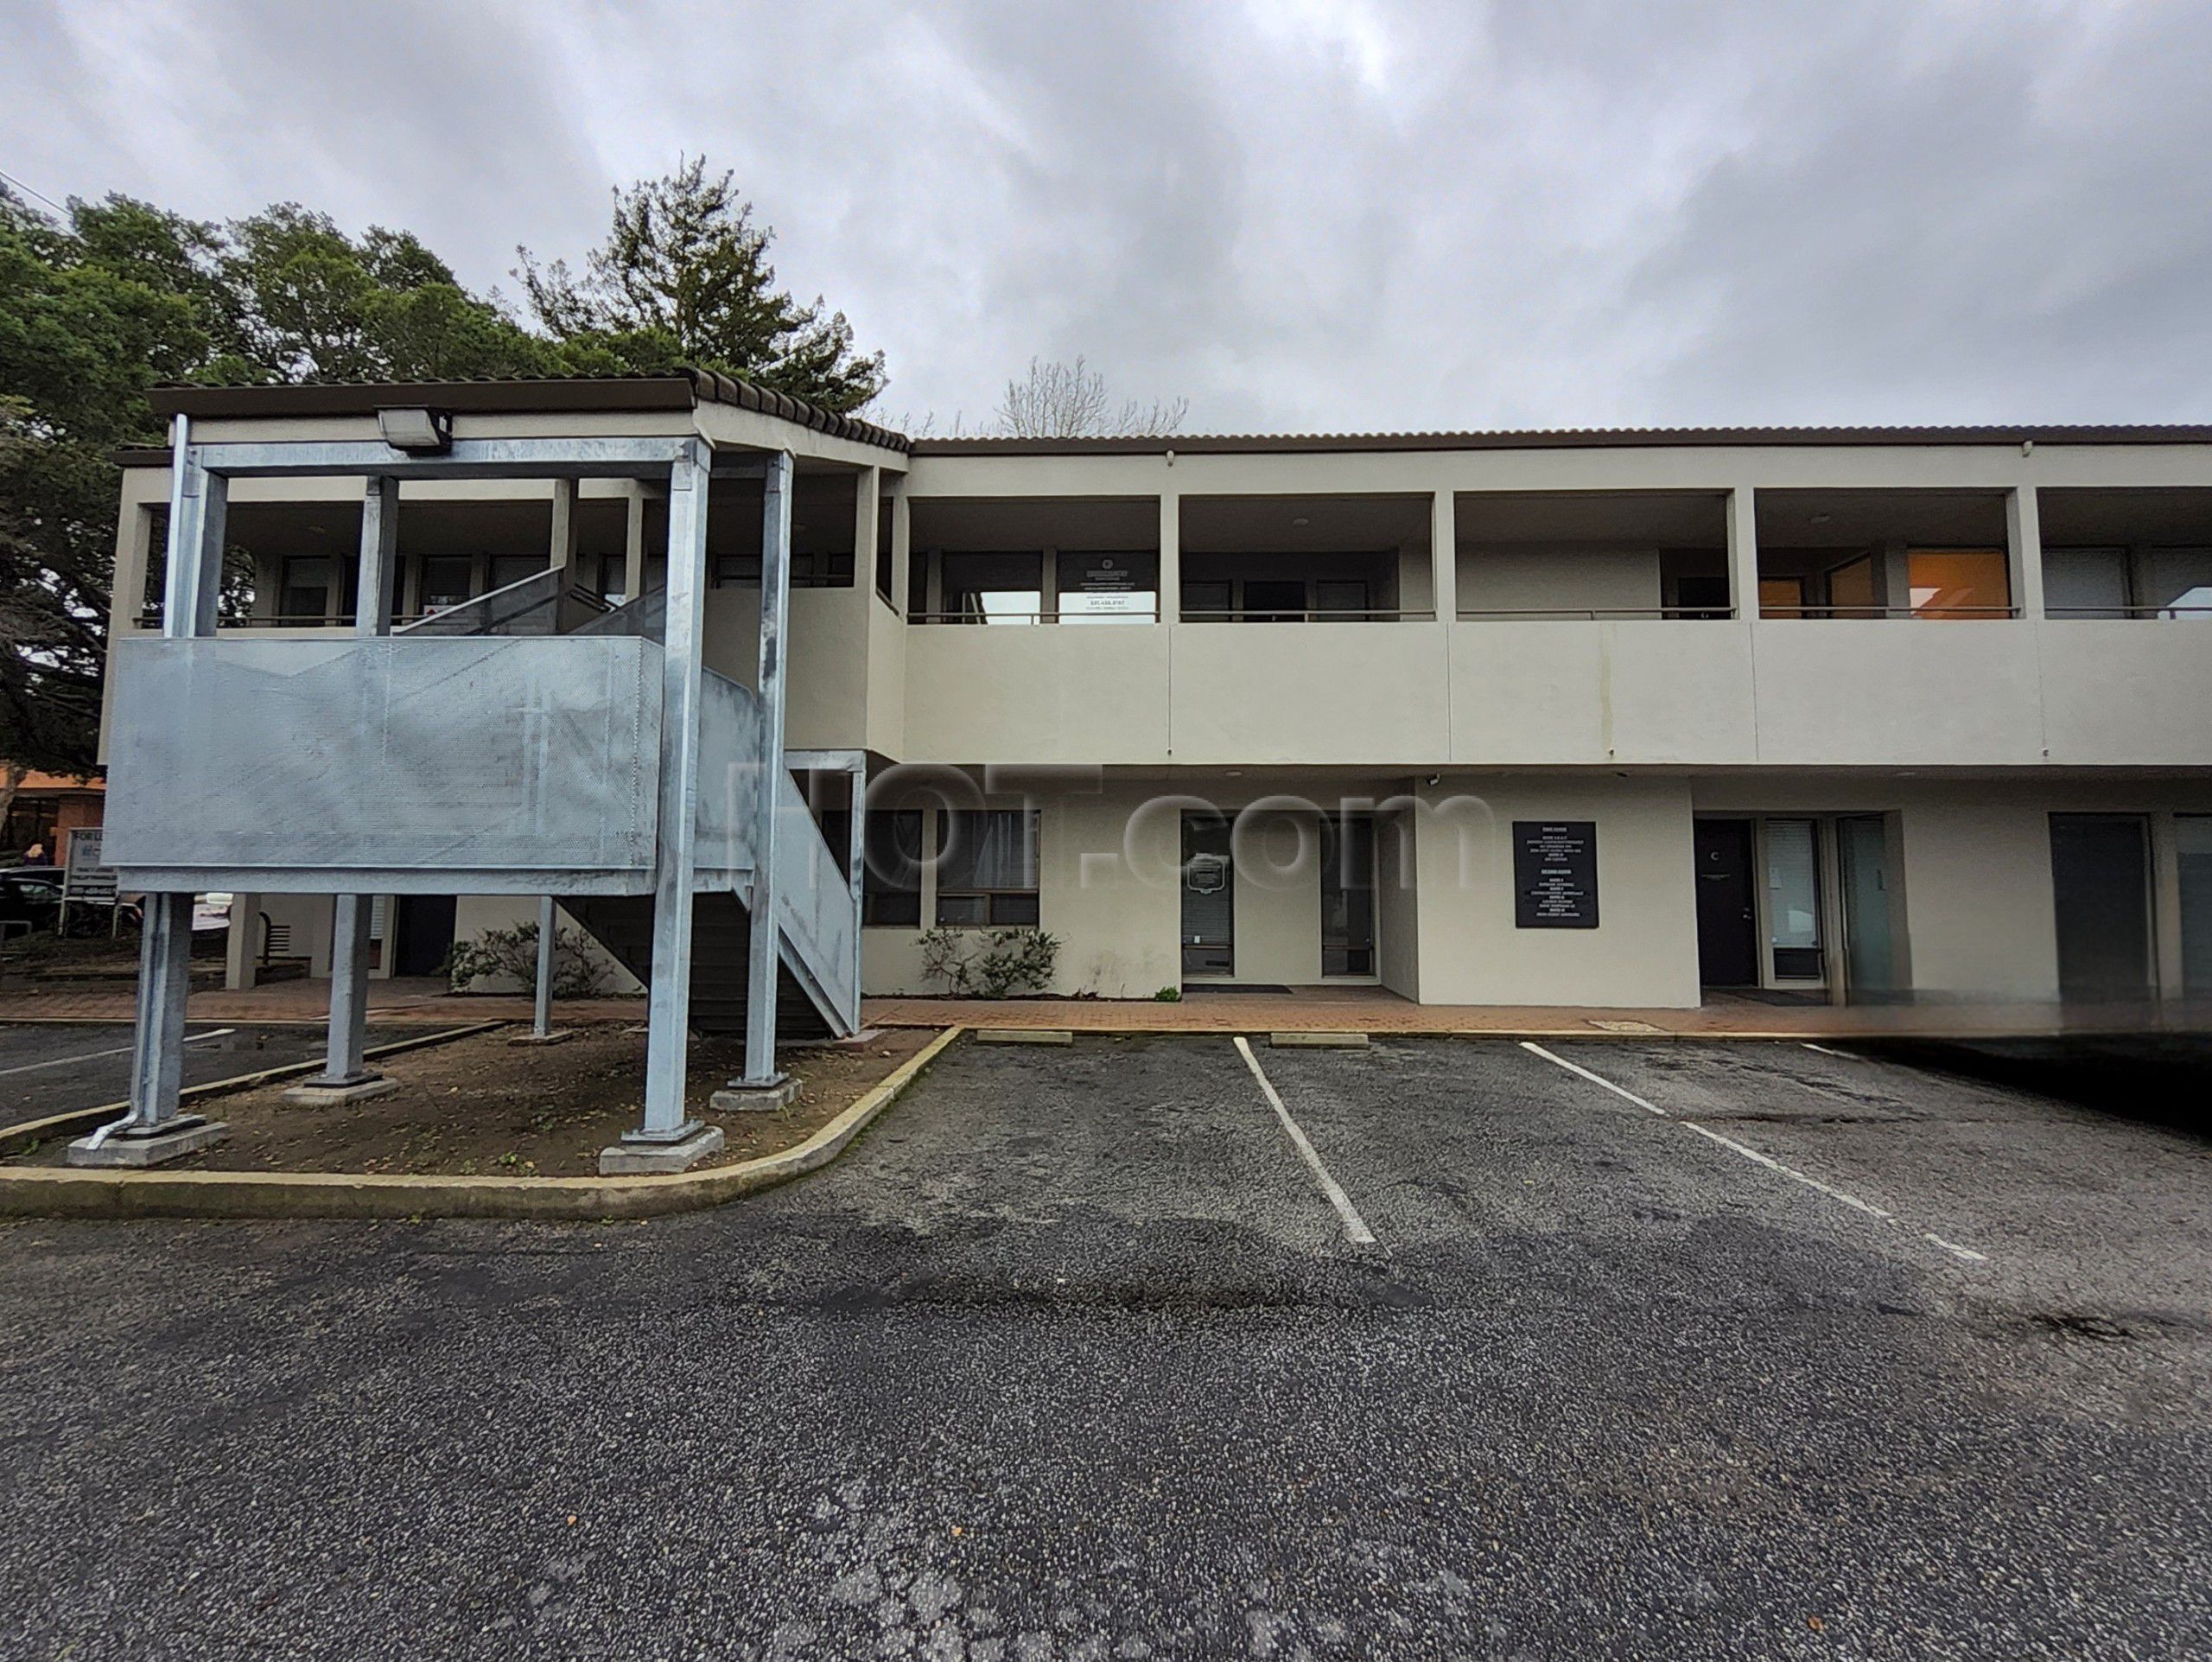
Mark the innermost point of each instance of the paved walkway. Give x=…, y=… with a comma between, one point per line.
x=1367, y=1010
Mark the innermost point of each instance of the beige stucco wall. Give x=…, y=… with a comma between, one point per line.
x=1514, y=577
x=1643, y=951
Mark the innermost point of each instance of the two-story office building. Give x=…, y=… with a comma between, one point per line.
x=1604, y=718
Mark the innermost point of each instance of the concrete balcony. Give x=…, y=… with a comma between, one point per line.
x=2119, y=693
x=1640, y=691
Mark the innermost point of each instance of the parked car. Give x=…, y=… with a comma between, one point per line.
x=30, y=896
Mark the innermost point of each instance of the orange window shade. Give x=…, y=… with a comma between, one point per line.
x=1781, y=597
x=1959, y=582
x=1851, y=589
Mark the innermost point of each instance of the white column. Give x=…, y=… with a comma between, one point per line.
x=760, y=1071
x=902, y=549
x=1171, y=554
x=866, y=523
x=1444, y=556
x=1742, y=553
x=682, y=649
x=2023, y=535
x=561, y=555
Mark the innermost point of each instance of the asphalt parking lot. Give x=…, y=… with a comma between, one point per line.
x=50, y=1068
x=1700, y=1350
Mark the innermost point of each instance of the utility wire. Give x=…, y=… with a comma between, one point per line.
x=29, y=191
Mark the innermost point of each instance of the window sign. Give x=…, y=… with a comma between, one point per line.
x=1556, y=873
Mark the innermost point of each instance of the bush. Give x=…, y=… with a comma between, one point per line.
x=511, y=955
x=989, y=963
x=1168, y=996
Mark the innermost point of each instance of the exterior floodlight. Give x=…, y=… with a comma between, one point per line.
x=415, y=430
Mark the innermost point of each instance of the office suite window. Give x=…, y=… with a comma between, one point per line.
x=986, y=868
x=1959, y=582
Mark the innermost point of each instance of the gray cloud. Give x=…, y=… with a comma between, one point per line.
x=1306, y=213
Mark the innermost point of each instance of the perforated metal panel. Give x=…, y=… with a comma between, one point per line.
x=495, y=755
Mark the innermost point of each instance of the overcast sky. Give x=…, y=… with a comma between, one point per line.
x=1339, y=214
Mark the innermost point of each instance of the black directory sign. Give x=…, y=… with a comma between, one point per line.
x=1556, y=873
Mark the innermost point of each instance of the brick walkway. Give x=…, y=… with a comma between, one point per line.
x=1368, y=1009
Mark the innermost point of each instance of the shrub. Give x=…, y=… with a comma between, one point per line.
x=1168, y=996
x=511, y=955
x=989, y=963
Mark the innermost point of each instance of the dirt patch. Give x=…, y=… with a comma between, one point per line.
x=482, y=1106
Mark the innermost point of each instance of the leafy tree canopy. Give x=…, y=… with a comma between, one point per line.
x=113, y=297
x=684, y=277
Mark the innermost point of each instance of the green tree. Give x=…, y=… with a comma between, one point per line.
x=684, y=277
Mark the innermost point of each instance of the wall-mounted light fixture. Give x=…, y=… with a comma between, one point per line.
x=417, y=431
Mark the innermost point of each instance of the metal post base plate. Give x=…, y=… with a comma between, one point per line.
x=336, y=1094
x=136, y=1150
x=635, y=1156
x=558, y=1036
x=738, y=1097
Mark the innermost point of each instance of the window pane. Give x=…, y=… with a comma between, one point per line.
x=1205, y=600
x=1013, y=911
x=514, y=567
x=1959, y=582
x=1348, y=897
x=995, y=588
x=1852, y=591
x=1781, y=597
x=305, y=594
x=1793, y=897
x=1273, y=600
x=445, y=579
x=2085, y=582
x=2178, y=581
x=961, y=910
x=992, y=849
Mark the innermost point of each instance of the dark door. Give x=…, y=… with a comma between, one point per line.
x=2100, y=881
x=1208, y=902
x=422, y=933
x=1727, y=927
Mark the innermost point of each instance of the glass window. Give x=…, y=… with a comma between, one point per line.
x=448, y=580
x=1341, y=595
x=2177, y=582
x=1273, y=600
x=305, y=594
x=1959, y=582
x=1206, y=601
x=2085, y=583
x=2193, y=841
x=994, y=587
x=1348, y=897
x=1793, y=899
x=890, y=888
x=987, y=867
x=1122, y=588
x=514, y=567
x=1781, y=597
x=1853, y=591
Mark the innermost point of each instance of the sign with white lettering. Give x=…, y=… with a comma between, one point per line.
x=1556, y=873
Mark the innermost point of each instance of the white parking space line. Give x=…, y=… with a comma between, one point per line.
x=1561, y=1061
x=95, y=1055
x=1356, y=1229
x=1966, y=1254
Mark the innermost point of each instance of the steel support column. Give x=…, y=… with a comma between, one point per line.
x=199, y=501
x=541, y=1016
x=344, y=1066
x=761, y=1070
x=683, y=649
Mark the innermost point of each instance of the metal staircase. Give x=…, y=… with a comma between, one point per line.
x=815, y=998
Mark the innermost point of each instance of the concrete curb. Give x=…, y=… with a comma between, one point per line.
x=13, y=1138
x=41, y=1193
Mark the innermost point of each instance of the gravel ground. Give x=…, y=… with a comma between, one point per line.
x=1070, y=1357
